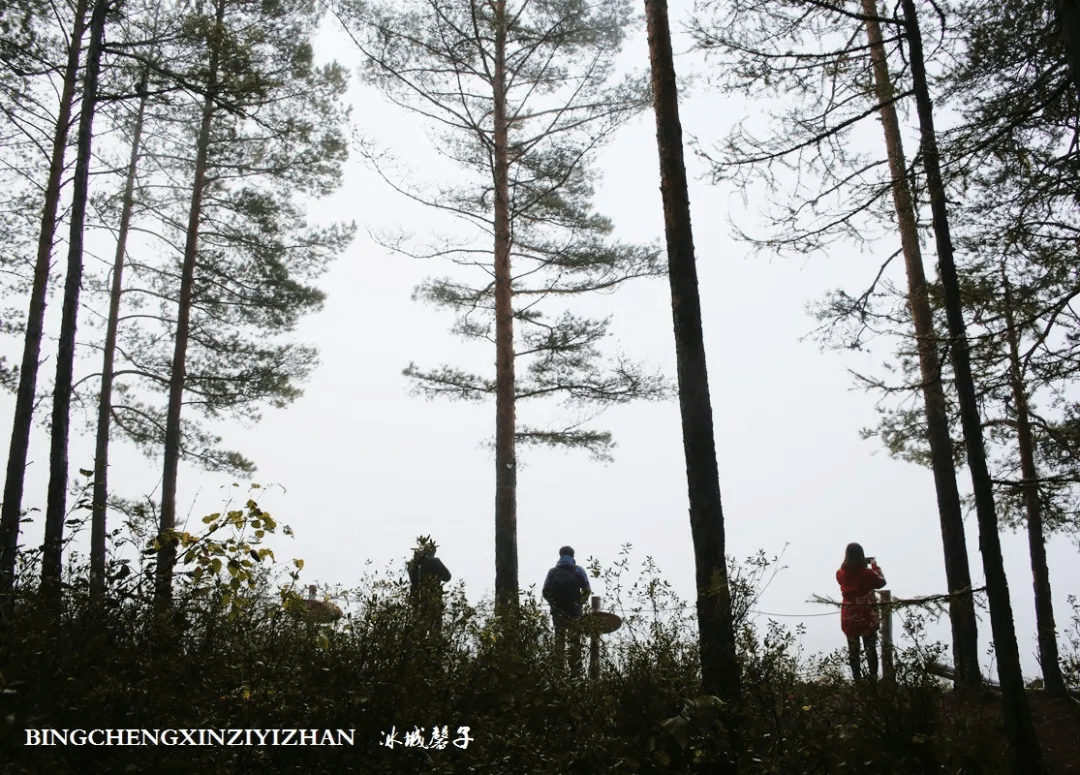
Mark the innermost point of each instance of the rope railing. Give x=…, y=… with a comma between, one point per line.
x=896, y=603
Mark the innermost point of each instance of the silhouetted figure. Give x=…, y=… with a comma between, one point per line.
x=565, y=589
x=858, y=577
x=427, y=574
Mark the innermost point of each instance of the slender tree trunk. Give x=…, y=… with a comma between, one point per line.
x=1025, y=754
x=950, y=513
x=1053, y=681
x=56, y=506
x=11, y=511
x=101, y=454
x=719, y=668
x=1068, y=18
x=506, y=558
x=166, y=556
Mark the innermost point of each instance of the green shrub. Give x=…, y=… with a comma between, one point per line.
x=229, y=655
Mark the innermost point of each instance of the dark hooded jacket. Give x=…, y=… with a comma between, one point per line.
x=564, y=591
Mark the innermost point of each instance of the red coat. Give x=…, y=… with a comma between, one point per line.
x=858, y=616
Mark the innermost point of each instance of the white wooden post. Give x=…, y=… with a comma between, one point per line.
x=888, y=670
x=594, y=643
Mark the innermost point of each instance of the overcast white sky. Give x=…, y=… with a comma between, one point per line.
x=366, y=467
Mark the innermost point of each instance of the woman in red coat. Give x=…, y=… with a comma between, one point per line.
x=858, y=578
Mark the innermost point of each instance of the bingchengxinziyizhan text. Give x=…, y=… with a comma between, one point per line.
x=129, y=737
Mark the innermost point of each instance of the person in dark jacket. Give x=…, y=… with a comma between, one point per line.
x=566, y=588
x=427, y=574
x=858, y=577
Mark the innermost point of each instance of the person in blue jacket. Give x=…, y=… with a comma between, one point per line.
x=566, y=588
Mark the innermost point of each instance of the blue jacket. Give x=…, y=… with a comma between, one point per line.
x=583, y=586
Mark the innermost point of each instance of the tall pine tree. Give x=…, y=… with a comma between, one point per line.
x=521, y=94
x=268, y=131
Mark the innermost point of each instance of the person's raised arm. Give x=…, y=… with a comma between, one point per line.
x=877, y=572
x=436, y=566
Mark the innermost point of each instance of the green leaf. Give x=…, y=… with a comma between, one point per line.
x=679, y=728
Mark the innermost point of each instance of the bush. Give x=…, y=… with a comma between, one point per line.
x=228, y=656
x=1070, y=657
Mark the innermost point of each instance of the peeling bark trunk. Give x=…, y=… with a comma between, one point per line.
x=719, y=668
x=950, y=511
x=56, y=507
x=1053, y=681
x=1024, y=752
x=506, y=559
x=166, y=556
x=101, y=455
x=11, y=511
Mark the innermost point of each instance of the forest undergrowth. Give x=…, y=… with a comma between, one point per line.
x=479, y=693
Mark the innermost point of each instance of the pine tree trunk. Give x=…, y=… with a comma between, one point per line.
x=101, y=455
x=11, y=511
x=950, y=512
x=166, y=556
x=506, y=559
x=1053, y=681
x=1068, y=18
x=56, y=506
x=1025, y=754
x=719, y=668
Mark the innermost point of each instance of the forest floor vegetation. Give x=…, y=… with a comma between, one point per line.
x=230, y=656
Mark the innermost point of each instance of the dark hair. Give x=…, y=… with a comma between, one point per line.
x=566, y=550
x=854, y=557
